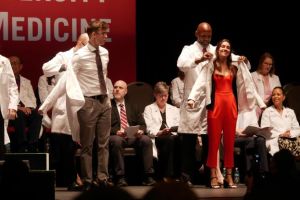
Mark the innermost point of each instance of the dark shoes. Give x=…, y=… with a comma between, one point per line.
x=75, y=187
x=122, y=182
x=186, y=180
x=102, y=183
x=149, y=181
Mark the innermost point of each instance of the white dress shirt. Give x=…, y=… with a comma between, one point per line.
x=85, y=67
x=27, y=96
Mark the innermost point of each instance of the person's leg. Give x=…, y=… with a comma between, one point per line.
x=187, y=155
x=18, y=138
x=34, y=127
x=261, y=149
x=87, y=117
x=116, y=153
x=102, y=133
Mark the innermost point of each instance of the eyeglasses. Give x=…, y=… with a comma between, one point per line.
x=268, y=64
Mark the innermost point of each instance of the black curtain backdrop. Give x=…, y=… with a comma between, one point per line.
x=252, y=27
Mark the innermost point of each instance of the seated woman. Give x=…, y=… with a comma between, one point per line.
x=282, y=120
x=161, y=120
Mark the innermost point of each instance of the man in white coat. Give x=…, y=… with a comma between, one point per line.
x=193, y=121
x=62, y=146
x=28, y=117
x=9, y=99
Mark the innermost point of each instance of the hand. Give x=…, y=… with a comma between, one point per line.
x=243, y=59
x=239, y=133
x=25, y=110
x=286, y=134
x=121, y=133
x=165, y=131
x=205, y=56
x=191, y=103
x=12, y=114
x=40, y=112
x=139, y=133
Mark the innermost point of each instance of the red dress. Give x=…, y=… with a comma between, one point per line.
x=222, y=119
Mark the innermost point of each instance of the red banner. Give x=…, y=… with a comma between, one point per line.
x=35, y=30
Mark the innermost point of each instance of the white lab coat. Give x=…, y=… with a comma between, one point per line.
x=247, y=96
x=67, y=87
x=153, y=120
x=259, y=84
x=60, y=122
x=9, y=96
x=280, y=123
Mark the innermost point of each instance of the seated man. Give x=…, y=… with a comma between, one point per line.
x=124, y=114
x=27, y=114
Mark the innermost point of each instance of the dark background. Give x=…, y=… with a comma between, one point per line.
x=252, y=27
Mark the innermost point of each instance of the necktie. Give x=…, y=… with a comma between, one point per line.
x=123, y=116
x=100, y=73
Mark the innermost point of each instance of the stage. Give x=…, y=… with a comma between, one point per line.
x=139, y=191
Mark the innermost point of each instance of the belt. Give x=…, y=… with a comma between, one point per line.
x=97, y=97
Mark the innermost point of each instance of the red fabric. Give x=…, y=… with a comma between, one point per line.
x=222, y=119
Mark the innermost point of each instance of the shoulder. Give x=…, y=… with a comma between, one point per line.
x=150, y=106
x=103, y=50
x=171, y=107
x=4, y=60
x=289, y=110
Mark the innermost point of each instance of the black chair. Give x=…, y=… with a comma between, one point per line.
x=140, y=94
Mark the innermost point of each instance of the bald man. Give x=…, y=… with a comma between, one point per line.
x=119, y=139
x=193, y=122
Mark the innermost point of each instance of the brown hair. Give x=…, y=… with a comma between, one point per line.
x=96, y=25
x=262, y=59
x=161, y=87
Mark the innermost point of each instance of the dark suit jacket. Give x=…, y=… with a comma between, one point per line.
x=134, y=117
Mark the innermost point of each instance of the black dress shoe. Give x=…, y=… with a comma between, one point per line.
x=75, y=187
x=122, y=182
x=86, y=186
x=186, y=180
x=149, y=181
x=102, y=183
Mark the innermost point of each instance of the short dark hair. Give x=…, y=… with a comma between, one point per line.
x=96, y=25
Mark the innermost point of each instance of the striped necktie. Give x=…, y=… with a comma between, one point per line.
x=123, y=116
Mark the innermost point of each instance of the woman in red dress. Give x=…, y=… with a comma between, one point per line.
x=222, y=112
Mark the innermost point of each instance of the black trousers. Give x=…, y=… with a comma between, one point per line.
x=251, y=147
x=62, y=158
x=188, y=155
x=21, y=140
x=143, y=148
x=168, y=159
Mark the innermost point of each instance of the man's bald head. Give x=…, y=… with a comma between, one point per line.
x=120, y=90
x=82, y=40
x=204, y=33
